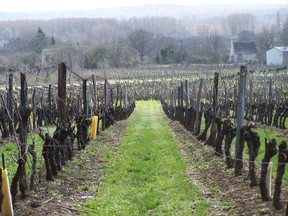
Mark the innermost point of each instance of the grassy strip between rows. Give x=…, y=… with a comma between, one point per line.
x=147, y=176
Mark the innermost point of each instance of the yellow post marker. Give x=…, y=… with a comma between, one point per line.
x=7, y=208
x=94, y=127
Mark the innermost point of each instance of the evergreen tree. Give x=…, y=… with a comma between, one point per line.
x=39, y=42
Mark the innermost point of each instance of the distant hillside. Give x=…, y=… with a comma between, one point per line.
x=194, y=13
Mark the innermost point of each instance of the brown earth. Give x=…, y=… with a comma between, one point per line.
x=78, y=181
x=228, y=195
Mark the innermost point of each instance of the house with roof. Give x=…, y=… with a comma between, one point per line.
x=277, y=56
x=243, y=52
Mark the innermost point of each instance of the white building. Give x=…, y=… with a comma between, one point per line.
x=277, y=56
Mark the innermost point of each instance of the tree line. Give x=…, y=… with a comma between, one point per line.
x=111, y=42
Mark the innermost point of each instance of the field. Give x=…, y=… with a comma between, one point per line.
x=148, y=158
x=153, y=158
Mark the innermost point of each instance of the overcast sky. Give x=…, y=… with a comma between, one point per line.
x=56, y=5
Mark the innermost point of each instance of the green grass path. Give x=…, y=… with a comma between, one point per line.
x=147, y=175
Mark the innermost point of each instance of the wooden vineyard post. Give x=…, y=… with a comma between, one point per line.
x=23, y=125
x=181, y=96
x=177, y=115
x=198, y=106
x=240, y=119
x=85, y=106
x=49, y=117
x=172, y=107
x=182, y=104
x=106, y=99
x=61, y=102
x=23, y=92
x=174, y=95
x=225, y=102
x=32, y=115
x=227, y=105
x=20, y=175
x=213, y=131
x=235, y=103
x=250, y=116
x=111, y=98
x=105, y=106
x=193, y=97
x=215, y=92
x=188, y=119
x=270, y=104
x=94, y=94
x=33, y=98
x=175, y=104
x=10, y=102
x=171, y=99
x=24, y=113
x=126, y=99
x=187, y=94
x=121, y=97
x=133, y=94
x=162, y=97
x=117, y=95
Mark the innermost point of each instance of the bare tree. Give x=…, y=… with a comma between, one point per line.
x=213, y=40
x=120, y=54
x=246, y=36
x=265, y=40
x=209, y=43
x=141, y=41
x=284, y=33
x=116, y=50
x=203, y=30
x=239, y=22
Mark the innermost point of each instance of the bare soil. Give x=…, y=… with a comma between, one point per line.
x=74, y=182
x=229, y=195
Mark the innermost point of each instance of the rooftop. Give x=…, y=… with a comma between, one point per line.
x=241, y=47
x=283, y=49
